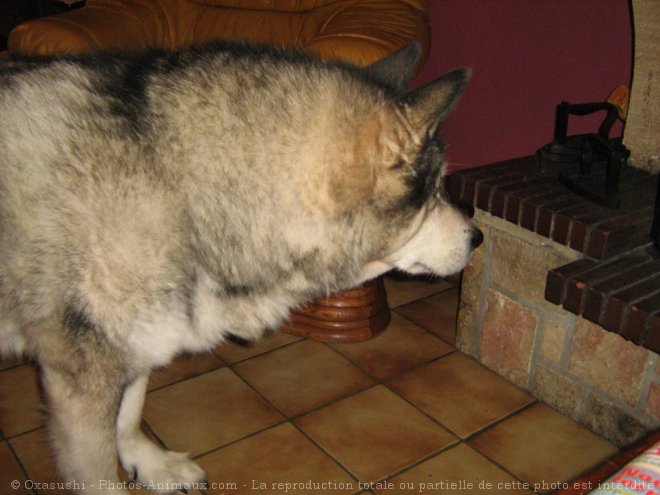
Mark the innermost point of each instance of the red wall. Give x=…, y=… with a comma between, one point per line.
x=526, y=56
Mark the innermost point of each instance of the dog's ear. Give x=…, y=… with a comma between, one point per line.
x=429, y=106
x=398, y=69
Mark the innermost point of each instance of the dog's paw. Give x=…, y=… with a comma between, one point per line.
x=165, y=472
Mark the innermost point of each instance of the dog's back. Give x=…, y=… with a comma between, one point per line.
x=157, y=203
x=120, y=172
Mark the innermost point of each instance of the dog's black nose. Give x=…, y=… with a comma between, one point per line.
x=477, y=238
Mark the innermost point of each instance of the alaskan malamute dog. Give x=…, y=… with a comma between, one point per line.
x=159, y=203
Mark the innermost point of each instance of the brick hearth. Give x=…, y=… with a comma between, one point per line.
x=526, y=192
x=559, y=285
x=621, y=292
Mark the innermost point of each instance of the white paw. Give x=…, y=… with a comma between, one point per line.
x=163, y=471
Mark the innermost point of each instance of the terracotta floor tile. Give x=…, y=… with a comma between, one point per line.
x=33, y=449
x=436, y=313
x=303, y=376
x=183, y=367
x=457, y=471
x=10, y=362
x=201, y=406
x=279, y=455
x=402, y=346
x=207, y=412
x=12, y=479
x=231, y=352
x=374, y=434
x=539, y=445
x=460, y=393
x=21, y=409
x=401, y=290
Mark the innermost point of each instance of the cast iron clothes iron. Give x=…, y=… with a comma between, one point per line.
x=600, y=158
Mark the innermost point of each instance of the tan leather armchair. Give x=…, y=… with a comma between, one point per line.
x=358, y=31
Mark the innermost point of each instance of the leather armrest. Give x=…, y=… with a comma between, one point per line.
x=360, y=32
x=100, y=24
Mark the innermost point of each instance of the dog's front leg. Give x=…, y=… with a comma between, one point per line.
x=82, y=427
x=161, y=470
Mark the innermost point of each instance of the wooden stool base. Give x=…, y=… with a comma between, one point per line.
x=354, y=315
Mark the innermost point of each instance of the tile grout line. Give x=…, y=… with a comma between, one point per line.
x=504, y=418
x=267, y=351
x=20, y=464
x=326, y=452
x=381, y=380
x=234, y=442
x=427, y=330
x=223, y=364
x=460, y=440
x=422, y=298
x=493, y=425
x=181, y=380
x=291, y=419
x=26, y=432
x=422, y=460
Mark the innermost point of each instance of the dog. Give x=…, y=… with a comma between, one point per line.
x=161, y=202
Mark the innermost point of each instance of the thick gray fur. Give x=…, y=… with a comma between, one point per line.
x=157, y=203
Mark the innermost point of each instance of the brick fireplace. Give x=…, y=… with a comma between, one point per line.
x=563, y=298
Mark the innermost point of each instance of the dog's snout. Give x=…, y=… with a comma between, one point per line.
x=477, y=238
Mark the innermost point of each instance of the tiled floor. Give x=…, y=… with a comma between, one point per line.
x=402, y=414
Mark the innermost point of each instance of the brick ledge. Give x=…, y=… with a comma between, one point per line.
x=617, y=285
x=621, y=295
x=526, y=192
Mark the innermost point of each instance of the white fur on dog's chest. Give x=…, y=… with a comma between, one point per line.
x=206, y=322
